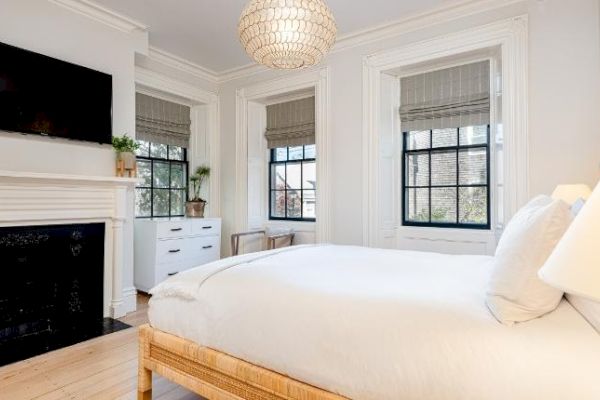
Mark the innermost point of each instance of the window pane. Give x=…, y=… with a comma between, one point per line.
x=417, y=170
x=310, y=151
x=177, y=175
x=445, y=137
x=472, y=205
x=296, y=153
x=472, y=167
x=176, y=153
x=309, y=175
x=161, y=174
x=309, y=204
x=443, y=168
x=293, y=177
x=161, y=203
x=278, y=176
x=144, y=149
x=278, y=204
x=294, y=208
x=177, y=202
x=144, y=173
x=473, y=135
x=280, y=154
x=443, y=205
x=158, y=150
x=417, y=205
x=417, y=140
x=142, y=202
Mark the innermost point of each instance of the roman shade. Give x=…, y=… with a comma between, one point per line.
x=448, y=98
x=291, y=123
x=161, y=121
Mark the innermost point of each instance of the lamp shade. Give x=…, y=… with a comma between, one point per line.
x=574, y=265
x=287, y=34
x=571, y=193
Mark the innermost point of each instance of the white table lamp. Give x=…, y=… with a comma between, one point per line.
x=574, y=265
x=571, y=193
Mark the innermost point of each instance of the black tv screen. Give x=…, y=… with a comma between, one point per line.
x=46, y=96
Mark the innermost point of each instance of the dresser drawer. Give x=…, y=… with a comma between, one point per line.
x=203, y=249
x=171, y=250
x=166, y=271
x=172, y=229
x=206, y=227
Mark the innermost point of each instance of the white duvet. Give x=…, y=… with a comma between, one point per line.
x=379, y=324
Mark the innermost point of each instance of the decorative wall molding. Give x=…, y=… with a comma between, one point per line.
x=318, y=79
x=510, y=36
x=50, y=199
x=150, y=80
x=181, y=64
x=102, y=14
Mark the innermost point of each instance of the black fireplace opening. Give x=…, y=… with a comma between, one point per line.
x=51, y=288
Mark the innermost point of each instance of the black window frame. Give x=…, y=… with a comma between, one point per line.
x=272, y=162
x=458, y=147
x=186, y=167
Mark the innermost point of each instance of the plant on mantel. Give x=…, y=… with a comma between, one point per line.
x=195, y=206
x=125, y=148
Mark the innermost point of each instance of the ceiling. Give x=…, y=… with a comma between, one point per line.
x=205, y=31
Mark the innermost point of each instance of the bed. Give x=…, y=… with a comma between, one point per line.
x=336, y=322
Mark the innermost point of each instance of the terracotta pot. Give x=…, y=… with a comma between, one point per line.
x=195, y=209
x=128, y=159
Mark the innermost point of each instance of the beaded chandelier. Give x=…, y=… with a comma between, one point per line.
x=287, y=34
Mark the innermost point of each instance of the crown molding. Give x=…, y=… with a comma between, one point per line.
x=389, y=30
x=181, y=64
x=102, y=14
x=434, y=16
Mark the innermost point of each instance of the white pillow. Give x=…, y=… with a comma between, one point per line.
x=515, y=292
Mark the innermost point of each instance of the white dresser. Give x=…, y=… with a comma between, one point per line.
x=164, y=247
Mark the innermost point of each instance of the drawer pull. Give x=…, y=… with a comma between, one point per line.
x=176, y=229
x=172, y=273
x=175, y=251
x=207, y=247
x=207, y=227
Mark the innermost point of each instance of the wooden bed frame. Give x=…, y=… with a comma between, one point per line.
x=212, y=374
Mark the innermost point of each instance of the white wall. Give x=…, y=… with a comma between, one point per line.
x=47, y=28
x=564, y=104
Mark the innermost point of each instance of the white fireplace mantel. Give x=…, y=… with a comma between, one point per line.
x=31, y=198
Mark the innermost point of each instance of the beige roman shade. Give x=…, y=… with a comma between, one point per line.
x=291, y=123
x=448, y=98
x=161, y=121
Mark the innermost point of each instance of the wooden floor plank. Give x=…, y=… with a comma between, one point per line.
x=103, y=368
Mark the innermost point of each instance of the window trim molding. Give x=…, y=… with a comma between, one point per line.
x=205, y=139
x=510, y=35
x=317, y=80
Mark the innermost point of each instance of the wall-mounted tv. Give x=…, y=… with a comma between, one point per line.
x=46, y=96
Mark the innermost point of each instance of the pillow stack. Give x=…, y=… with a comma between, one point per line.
x=515, y=293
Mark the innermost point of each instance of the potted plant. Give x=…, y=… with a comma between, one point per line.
x=195, y=206
x=125, y=148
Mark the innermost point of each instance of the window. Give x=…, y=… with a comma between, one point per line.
x=446, y=177
x=292, y=183
x=163, y=170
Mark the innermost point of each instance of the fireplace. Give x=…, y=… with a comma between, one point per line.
x=52, y=288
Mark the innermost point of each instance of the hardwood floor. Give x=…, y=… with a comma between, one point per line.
x=104, y=368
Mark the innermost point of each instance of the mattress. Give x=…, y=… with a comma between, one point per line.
x=379, y=324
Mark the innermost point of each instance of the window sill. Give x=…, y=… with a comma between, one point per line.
x=297, y=226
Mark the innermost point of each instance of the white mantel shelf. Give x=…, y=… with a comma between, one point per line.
x=68, y=179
